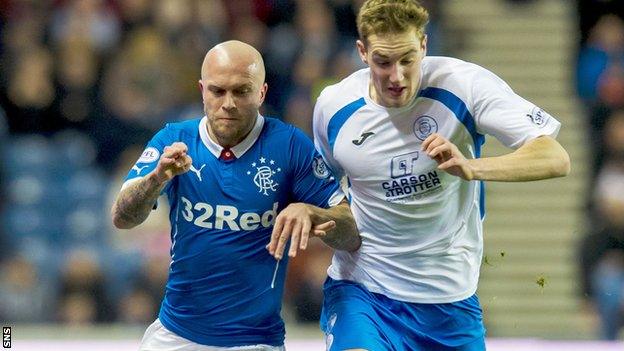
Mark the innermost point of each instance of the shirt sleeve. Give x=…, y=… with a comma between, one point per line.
x=313, y=180
x=321, y=142
x=500, y=112
x=149, y=158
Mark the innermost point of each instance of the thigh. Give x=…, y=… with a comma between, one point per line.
x=350, y=319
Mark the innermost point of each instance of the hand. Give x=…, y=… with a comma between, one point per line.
x=295, y=222
x=448, y=156
x=174, y=161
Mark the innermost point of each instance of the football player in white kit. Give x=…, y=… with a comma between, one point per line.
x=407, y=133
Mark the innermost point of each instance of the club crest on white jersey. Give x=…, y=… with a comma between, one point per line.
x=425, y=126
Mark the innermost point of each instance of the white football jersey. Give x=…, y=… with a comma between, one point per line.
x=421, y=228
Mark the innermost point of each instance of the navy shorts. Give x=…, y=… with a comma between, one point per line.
x=355, y=318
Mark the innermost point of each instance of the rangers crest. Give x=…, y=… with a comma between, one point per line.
x=263, y=176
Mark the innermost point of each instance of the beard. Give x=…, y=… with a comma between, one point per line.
x=230, y=132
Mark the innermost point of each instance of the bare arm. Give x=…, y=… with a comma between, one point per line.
x=539, y=158
x=345, y=235
x=335, y=226
x=134, y=202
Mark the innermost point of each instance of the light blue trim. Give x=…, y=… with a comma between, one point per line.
x=458, y=107
x=340, y=118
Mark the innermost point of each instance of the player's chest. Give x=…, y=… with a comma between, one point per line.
x=382, y=145
x=255, y=180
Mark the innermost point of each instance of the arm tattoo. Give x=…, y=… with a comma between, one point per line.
x=135, y=202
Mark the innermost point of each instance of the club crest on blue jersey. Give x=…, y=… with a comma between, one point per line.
x=425, y=126
x=319, y=167
x=263, y=171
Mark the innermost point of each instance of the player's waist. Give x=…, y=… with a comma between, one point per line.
x=225, y=329
x=425, y=280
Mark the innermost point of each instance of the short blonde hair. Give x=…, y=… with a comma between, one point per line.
x=391, y=16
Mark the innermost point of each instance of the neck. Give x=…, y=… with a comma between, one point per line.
x=225, y=142
x=372, y=92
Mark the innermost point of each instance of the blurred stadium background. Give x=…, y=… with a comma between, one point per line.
x=85, y=83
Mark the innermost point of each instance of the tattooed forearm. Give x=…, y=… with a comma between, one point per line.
x=345, y=236
x=135, y=202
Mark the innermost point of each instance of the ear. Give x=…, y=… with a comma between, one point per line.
x=361, y=48
x=423, y=45
x=263, y=91
x=201, y=86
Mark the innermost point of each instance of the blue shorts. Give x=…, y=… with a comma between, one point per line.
x=355, y=318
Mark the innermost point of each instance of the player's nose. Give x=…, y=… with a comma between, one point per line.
x=228, y=102
x=396, y=75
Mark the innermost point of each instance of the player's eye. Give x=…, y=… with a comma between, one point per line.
x=407, y=62
x=216, y=91
x=242, y=91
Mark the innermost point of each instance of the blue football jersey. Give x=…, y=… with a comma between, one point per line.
x=224, y=288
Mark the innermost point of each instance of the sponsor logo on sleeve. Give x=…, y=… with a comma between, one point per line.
x=538, y=116
x=149, y=155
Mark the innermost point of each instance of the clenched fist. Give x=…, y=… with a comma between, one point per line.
x=173, y=161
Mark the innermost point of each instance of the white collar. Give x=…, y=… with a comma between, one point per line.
x=238, y=149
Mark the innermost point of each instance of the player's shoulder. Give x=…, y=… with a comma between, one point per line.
x=273, y=125
x=353, y=82
x=450, y=72
x=191, y=125
x=445, y=65
x=275, y=128
x=180, y=130
x=350, y=89
x=456, y=76
x=277, y=131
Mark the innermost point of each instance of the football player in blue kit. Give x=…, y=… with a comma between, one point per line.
x=234, y=179
x=406, y=132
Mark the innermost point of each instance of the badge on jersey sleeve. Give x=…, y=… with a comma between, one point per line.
x=149, y=155
x=319, y=167
x=539, y=117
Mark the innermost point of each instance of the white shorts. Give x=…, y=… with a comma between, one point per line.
x=158, y=338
